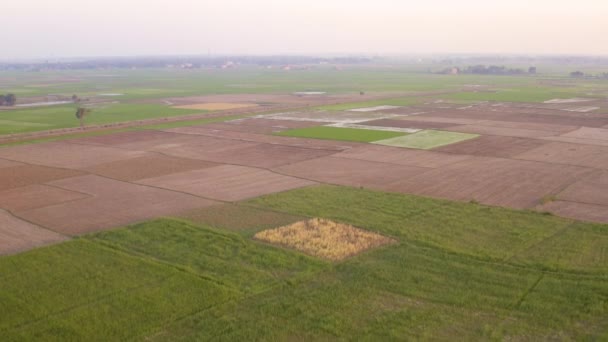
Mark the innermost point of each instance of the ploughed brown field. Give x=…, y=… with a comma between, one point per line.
x=540, y=157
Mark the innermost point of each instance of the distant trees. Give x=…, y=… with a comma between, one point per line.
x=481, y=69
x=8, y=100
x=577, y=74
x=81, y=112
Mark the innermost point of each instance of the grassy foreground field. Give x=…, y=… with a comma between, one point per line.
x=457, y=269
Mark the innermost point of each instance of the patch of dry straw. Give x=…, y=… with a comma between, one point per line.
x=324, y=238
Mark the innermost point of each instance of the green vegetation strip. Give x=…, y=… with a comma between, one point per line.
x=46, y=118
x=483, y=273
x=336, y=133
x=427, y=139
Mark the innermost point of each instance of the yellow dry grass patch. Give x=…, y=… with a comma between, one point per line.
x=216, y=106
x=324, y=238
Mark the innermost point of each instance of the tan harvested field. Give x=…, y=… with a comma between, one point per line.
x=17, y=235
x=216, y=106
x=527, y=156
x=324, y=238
x=227, y=182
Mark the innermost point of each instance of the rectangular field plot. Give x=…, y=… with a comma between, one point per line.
x=502, y=131
x=227, y=182
x=112, y=203
x=426, y=140
x=493, y=146
x=204, y=133
x=351, y=172
x=36, y=196
x=578, y=247
x=401, y=156
x=336, y=133
x=494, y=181
x=223, y=257
x=577, y=210
x=66, y=155
x=23, y=175
x=569, y=154
x=81, y=291
x=147, y=167
x=588, y=133
x=17, y=235
x=589, y=190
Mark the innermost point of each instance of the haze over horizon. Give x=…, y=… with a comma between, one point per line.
x=69, y=28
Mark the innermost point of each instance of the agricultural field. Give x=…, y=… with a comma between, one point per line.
x=452, y=268
x=128, y=95
x=232, y=206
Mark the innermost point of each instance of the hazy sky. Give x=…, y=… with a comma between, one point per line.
x=64, y=28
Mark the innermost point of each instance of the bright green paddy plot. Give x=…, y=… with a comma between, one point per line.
x=339, y=133
x=427, y=139
x=63, y=116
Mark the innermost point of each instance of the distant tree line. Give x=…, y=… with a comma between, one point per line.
x=580, y=74
x=8, y=100
x=193, y=62
x=482, y=69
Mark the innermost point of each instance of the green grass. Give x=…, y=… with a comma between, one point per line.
x=338, y=133
x=427, y=139
x=36, y=119
x=458, y=269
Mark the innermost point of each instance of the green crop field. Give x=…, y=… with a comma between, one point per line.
x=338, y=133
x=427, y=139
x=458, y=269
x=35, y=119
